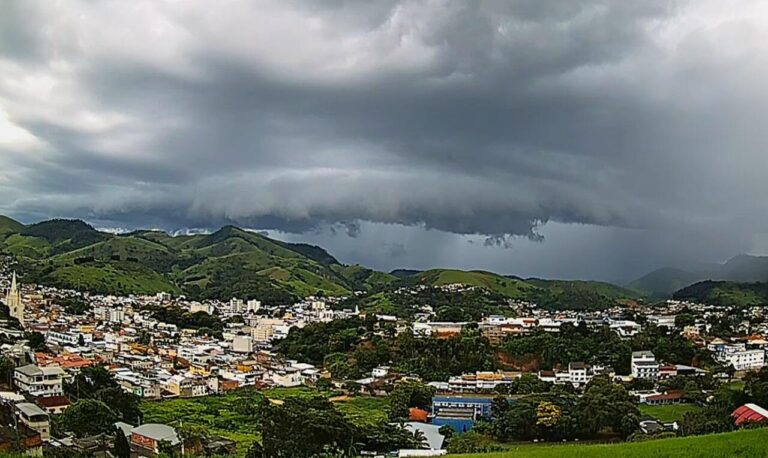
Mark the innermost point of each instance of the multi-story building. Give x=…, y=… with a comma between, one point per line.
x=242, y=344
x=34, y=418
x=68, y=338
x=39, y=381
x=580, y=374
x=644, y=365
x=460, y=412
x=741, y=360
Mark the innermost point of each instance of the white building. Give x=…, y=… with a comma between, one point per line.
x=580, y=374
x=39, y=381
x=253, y=305
x=740, y=359
x=644, y=365
x=67, y=338
x=242, y=344
x=198, y=307
x=662, y=320
x=116, y=315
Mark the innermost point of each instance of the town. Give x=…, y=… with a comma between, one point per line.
x=59, y=346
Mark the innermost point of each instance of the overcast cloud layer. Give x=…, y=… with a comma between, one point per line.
x=410, y=133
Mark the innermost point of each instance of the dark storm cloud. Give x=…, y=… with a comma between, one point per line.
x=479, y=118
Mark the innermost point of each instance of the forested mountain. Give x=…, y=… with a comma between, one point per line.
x=233, y=262
x=665, y=281
x=725, y=293
x=229, y=262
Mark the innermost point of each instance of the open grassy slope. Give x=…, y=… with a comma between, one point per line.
x=233, y=262
x=746, y=443
x=510, y=287
x=229, y=262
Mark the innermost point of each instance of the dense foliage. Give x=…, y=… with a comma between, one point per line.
x=351, y=348
x=725, y=293
x=599, y=346
x=97, y=384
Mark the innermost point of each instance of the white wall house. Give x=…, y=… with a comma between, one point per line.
x=644, y=365
x=39, y=381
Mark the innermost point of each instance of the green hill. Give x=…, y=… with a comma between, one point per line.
x=745, y=443
x=233, y=262
x=229, y=262
x=665, y=281
x=509, y=287
x=552, y=294
x=8, y=225
x=725, y=293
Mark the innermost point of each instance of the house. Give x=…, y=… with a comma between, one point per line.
x=287, y=377
x=15, y=434
x=34, y=418
x=39, y=381
x=242, y=344
x=749, y=413
x=380, y=371
x=644, y=365
x=54, y=405
x=580, y=374
x=145, y=440
x=740, y=358
x=669, y=397
x=186, y=387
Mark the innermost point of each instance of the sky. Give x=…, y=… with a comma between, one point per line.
x=563, y=139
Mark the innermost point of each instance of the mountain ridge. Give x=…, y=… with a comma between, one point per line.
x=663, y=282
x=234, y=262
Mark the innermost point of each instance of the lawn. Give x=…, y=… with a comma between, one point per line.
x=668, y=413
x=746, y=443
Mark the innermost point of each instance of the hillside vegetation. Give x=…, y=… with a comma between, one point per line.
x=665, y=281
x=229, y=262
x=233, y=262
x=745, y=443
x=725, y=293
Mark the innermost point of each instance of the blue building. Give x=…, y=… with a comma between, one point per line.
x=460, y=412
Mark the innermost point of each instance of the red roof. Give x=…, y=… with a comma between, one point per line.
x=53, y=401
x=751, y=413
x=669, y=395
x=415, y=414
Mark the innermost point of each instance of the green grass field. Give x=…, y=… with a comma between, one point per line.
x=668, y=413
x=228, y=415
x=747, y=443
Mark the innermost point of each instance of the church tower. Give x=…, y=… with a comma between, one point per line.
x=13, y=301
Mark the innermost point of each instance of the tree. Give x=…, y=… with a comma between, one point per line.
x=6, y=370
x=548, y=414
x=80, y=340
x=408, y=394
x=254, y=451
x=605, y=405
x=87, y=418
x=36, y=341
x=122, y=448
x=320, y=427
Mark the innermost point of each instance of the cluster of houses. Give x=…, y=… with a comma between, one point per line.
x=158, y=360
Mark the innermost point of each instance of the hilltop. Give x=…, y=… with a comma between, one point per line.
x=229, y=262
x=725, y=293
x=665, y=281
x=233, y=262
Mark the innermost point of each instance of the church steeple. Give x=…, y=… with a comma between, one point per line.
x=14, y=302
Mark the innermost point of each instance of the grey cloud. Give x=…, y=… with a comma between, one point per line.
x=488, y=119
